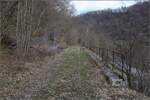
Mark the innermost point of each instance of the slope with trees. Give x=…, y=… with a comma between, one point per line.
x=124, y=31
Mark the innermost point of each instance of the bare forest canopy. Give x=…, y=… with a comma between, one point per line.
x=125, y=31
x=23, y=19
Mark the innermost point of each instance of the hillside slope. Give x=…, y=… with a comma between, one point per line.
x=117, y=23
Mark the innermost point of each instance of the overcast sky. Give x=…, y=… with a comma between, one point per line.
x=83, y=6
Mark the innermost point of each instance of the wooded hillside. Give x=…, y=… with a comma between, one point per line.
x=123, y=32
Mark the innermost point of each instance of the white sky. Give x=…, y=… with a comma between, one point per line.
x=83, y=6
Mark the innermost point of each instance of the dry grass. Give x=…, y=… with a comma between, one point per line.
x=69, y=75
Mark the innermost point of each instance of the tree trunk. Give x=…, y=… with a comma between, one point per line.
x=0, y=22
x=129, y=69
x=122, y=64
x=24, y=24
x=129, y=77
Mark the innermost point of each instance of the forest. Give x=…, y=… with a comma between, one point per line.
x=49, y=53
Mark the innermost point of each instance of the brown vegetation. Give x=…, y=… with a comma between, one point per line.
x=42, y=55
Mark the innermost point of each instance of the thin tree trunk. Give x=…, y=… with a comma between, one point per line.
x=24, y=24
x=0, y=23
x=129, y=77
x=122, y=64
x=129, y=69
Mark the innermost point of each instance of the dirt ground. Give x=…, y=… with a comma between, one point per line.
x=46, y=79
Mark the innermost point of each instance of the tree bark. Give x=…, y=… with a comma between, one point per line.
x=0, y=22
x=24, y=25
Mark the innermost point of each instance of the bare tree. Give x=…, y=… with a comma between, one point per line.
x=24, y=26
x=0, y=22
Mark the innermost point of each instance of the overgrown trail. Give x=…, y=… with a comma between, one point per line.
x=43, y=74
x=40, y=78
x=69, y=75
x=24, y=81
